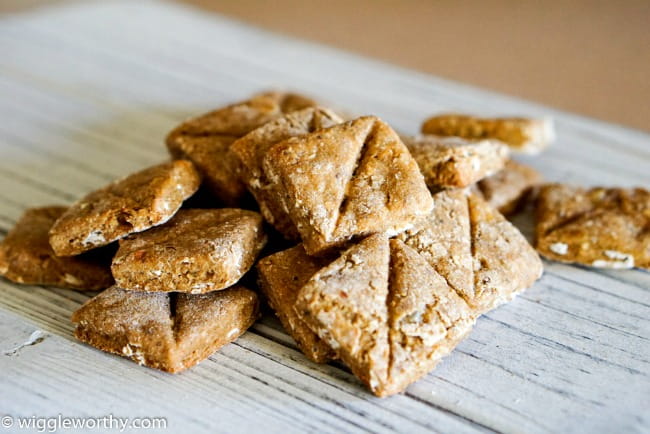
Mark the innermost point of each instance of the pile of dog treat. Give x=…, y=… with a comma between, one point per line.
x=377, y=249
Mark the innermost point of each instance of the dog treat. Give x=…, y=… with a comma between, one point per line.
x=598, y=227
x=521, y=134
x=483, y=256
x=386, y=312
x=252, y=148
x=205, y=140
x=456, y=162
x=345, y=181
x=280, y=277
x=133, y=204
x=27, y=257
x=197, y=251
x=507, y=189
x=166, y=331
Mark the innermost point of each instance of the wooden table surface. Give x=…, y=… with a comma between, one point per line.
x=587, y=56
x=87, y=95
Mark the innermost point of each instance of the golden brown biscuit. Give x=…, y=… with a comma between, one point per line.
x=386, y=312
x=206, y=139
x=252, y=148
x=598, y=227
x=27, y=257
x=507, y=189
x=280, y=277
x=483, y=256
x=349, y=180
x=197, y=251
x=166, y=331
x=449, y=162
x=132, y=204
x=521, y=134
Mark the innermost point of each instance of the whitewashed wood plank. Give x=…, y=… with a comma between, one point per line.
x=570, y=355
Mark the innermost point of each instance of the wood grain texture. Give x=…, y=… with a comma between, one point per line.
x=88, y=94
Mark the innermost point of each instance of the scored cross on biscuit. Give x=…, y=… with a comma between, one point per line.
x=166, y=331
x=346, y=181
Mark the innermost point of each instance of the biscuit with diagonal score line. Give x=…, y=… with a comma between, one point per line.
x=346, y=181
x=597, y=227
x=197, y=251
x=521, y=134
x=27, y=257
x=206, y=139
x=133, y=204
x=166, y=331
x=251, y=149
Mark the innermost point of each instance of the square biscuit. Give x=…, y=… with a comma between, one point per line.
x=347, y=181
x=166, y=331
x=133, y=204
x=27, y=257
x=597, y=227
x=525, y=135
x=448, y=162
x=386, y=312
x=197, y=251
x=206, y=139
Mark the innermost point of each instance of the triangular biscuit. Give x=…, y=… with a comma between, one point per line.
x=345, y=304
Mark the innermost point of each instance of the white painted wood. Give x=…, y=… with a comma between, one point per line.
x=87, y=94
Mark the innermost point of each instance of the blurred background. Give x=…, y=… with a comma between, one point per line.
x=586, y=56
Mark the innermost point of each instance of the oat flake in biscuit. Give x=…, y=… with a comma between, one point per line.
x=352, y=179
x=530, y=136
x=166, y=331
x=251, y=149
x=280, y=277
x=597, y=227
x=206, y=139
x=133, y=204
x=483, y=256
x=27, y=257
x=507, y=189
x=197, y=251
x=386, y=312
x=448, y=162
